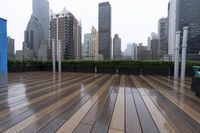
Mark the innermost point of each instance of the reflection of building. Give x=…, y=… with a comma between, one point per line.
x=3, y=46
x=93, y=45
x=37, y=31
x=69, y=33
x=116, y=47
x=11, y=48
x=105, y=30
x=163, y=36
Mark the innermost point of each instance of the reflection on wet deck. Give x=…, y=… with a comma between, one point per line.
x=101, y=103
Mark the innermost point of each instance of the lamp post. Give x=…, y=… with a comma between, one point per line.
x=176, y=61
x=184, y=47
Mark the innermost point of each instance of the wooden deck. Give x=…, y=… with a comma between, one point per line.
x=83, y=103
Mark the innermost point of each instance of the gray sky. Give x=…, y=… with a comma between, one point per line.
x=133, y=20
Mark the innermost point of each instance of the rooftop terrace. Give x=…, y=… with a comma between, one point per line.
x=97, y=103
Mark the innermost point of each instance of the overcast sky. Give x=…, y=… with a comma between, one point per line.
x=133, y=20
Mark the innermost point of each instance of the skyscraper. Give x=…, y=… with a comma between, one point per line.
x=189, y=15
x=86, y=46
x=11, y=48
x=3, y=45
x=68, y=32
x=163, y=36
x=185, y=13
x=116, y=47
x=93, y=45
x=105, y=30
x=37, y=31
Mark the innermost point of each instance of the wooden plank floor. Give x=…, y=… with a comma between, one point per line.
x=97, y=103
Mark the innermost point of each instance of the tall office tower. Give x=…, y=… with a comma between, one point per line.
x=64, y=27
x=11, y=48
x=116, y=47
x=155, y=49
x=186, y=13
x=86, y=46
x=189, y=15
x=105, y=30
x=3, y=46
x=163, y=36
x=93, y=45
x=37, y=31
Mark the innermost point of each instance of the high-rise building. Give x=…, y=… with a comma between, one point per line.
x=143, y=53
x=93, y=45
x=64, y=27
x=86, y=46
x=37, y=31
x=155, y=49
x=3, y=46
x=185, y=13
x=11, y=48
x=116, y=47
x=131, y=51
x=105, y=30
x=163, y=36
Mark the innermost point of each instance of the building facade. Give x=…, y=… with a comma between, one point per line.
x=93, y=45
x=37, y=31
x=185, y=13
x=189, y=15
x=11, y=48
x=86, y=46
x=105, y=30
x=64, y=27
x=3, y=46
x=163, y=36
x=116, y=47
x=131, y=51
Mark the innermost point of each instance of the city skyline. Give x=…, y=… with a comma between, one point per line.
x=132, y=28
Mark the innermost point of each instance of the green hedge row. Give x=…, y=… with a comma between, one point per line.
x=107, y=64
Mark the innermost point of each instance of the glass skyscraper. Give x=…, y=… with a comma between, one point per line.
x=189, y=15
x=105, y=30
x=3, y=46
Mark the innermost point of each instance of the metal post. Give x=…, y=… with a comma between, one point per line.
x=176, y=61
x=53, y=56
x=59, y=57
x=184, y=47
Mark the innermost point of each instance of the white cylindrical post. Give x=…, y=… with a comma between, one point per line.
x=176, y=61
x=53, y=56
x=184, y=48
x=59, y=57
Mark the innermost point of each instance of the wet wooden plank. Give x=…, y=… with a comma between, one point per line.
x=89, y=120
x=192, y=125
x=36, y=108
x=73, y=122
x=20, y=126
x=147, y=123
x=102, y=123
x=55, y=124
x=179, y=100
x=181, y=91
x=37, y=97
x=117, y=121
x=132, y=120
